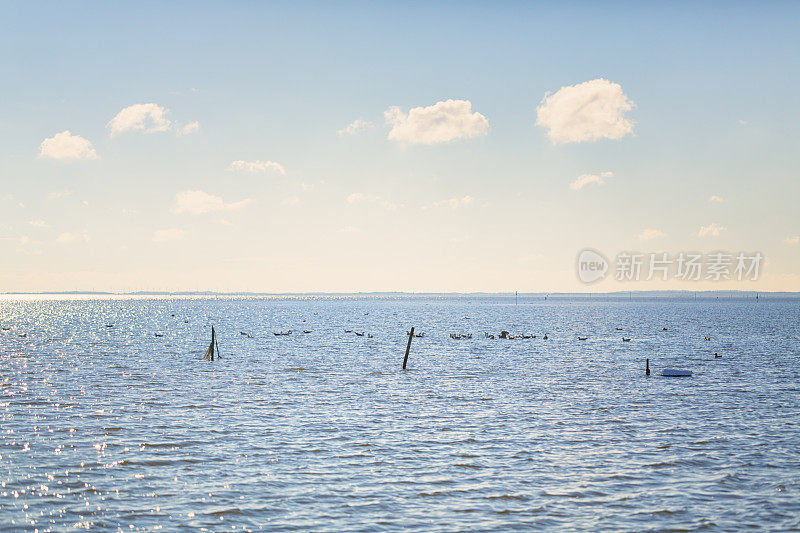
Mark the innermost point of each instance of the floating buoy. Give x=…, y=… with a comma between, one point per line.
x=675, y=373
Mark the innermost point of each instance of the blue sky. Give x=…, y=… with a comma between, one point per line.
x=486, y=206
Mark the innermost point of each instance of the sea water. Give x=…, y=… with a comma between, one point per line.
x=110, y=420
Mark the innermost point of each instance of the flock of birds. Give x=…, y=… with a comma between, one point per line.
x=454, y=336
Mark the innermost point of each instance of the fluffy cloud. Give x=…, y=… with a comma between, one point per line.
x=454, y=203
x=716, y=199
x=66, y=238
x=257, y=166
x=39, y=224
x=792, y=240
x=147, y=118
x=361, y=198
x=712, y=230
x=168, y=235
x=65, y=145
x=586, y=179
x=587, y=111
x=440, y=122
x=650, y=233
x=355, y=127
x=199, y=202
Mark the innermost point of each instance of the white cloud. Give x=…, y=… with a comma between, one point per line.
x=717, y=199
x=360, y=197
x=587, y=111
x=199, y=202
x=586, y=179
x=187, y=129
x=39, y=224
x=355, y=127
x=23, y=240
x=712, y=230
x=792, y=240
x=65, y=145
x=257, y=166
x=147, y=118
x=453, y=203
x=441, y=122
x=65, y=238
x=650, y=233
x=291, y=201
x=168, y=235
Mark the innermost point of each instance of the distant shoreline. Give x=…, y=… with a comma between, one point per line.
x=613, y=294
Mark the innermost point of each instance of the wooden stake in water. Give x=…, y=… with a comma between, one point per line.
x=408, y=347
x=647, y=367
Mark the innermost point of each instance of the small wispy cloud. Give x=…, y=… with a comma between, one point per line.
x=354, y=127
x=716, y=199
x=187, y=129
x=362, y=198
x=39, y=224
x=290, y=201
x=650, y=233
x=66, y=238
x=257, y=166
x=452, y=203
x=65, y=145
x=147, y=118
x=792, y=240
x=586, y=179
x=168, y=235
x=55, y=195
x=199, y=202
x=712, y=230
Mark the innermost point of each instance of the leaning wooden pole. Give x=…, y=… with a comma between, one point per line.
x=408, y=347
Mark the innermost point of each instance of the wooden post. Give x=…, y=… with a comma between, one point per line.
x=647, y=367
x=408, y=347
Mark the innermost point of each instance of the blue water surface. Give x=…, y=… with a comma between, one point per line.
x=118, y=428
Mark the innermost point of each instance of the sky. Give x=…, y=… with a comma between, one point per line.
x=406, y=146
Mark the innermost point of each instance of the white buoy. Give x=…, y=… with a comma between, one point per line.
x=675, y=373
